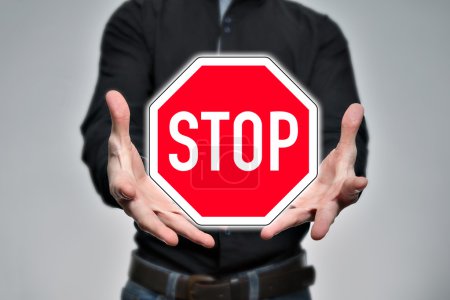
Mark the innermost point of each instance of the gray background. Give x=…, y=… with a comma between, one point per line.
x=58, y=241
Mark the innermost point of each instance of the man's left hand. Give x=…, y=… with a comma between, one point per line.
x=335, y=187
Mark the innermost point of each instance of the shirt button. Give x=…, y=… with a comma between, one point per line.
x=227, y=20
x=227, y=29
x=227, y=232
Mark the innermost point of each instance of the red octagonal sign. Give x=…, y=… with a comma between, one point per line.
x=233, y=140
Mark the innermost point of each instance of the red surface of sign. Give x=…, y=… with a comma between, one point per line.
x=233, y=140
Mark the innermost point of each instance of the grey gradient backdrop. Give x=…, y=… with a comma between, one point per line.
x=57, y=239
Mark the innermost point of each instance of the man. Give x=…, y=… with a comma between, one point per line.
x=145, y=44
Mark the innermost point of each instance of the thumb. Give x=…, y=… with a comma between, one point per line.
x=120, y=113
x=351, y=121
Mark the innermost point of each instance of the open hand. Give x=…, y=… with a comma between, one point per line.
x=335, y=187
x=136, y=193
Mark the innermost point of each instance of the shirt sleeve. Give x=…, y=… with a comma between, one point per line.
x=333, y=83
x=125, y=66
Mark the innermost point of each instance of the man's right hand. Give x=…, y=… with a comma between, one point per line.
x=133, y=189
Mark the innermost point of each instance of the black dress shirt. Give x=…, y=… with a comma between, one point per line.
x=145, y=44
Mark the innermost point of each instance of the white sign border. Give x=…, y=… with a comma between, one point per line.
x=151, y=113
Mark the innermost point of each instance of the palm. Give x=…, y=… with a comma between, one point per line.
x=335, y=187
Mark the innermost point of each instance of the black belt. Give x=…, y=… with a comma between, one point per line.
x=274, y=280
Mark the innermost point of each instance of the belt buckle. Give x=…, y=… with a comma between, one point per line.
x=197, y=278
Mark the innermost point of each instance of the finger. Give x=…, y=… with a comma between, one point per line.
x=323, y=219
x=352, y=187
x=119, y=144
x=351, y=121
x=289, y=218
x=183, y=227
x=150, y=223
x=120, y=114
x=160, y=201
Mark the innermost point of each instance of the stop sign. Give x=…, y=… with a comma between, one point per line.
x=233, y=140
